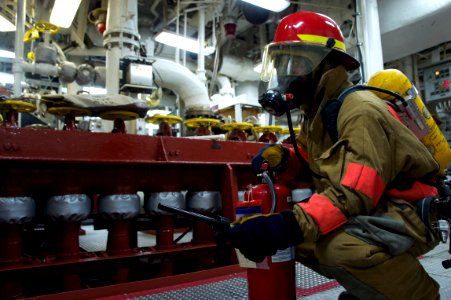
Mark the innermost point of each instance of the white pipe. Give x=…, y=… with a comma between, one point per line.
x=372, y=45
x=216, y=137
x=39, y=68
x=112, y=76
x=238, y=68
x=122, y=18
x=238, y=113
x=19, y=47
x=201, y=39
x=181, y=80
x=177, y=26
x=225, y=86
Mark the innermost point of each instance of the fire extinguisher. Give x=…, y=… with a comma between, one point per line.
x=275, y=277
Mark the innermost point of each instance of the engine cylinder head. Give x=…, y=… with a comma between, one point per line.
x=174, y=199
x=119, y=207
x=16, y=210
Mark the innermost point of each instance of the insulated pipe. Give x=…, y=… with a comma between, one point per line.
x=39, y=68
x=225, y=86
x=119, y=211
x=14, y=213
x=66, y=212
x=201, y=39
x=238, y=68
x=121, y=38
x=181, y=80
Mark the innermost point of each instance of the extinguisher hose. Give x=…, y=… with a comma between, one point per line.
x=272, y=191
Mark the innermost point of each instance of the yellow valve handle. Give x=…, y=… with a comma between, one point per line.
x=46, y=27
x=30, y=35
x=124, y=115
x=65, y=110
x=201, y=122
x=17, y=105
x=261, y=129
x=152, y=101
x=237, y=125
x=30, y=55
x=171, y=120
x=287, y=131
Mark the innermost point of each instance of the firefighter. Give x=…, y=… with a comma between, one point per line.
x=360, y=226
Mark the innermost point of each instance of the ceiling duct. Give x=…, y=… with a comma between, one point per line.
x=255, y=15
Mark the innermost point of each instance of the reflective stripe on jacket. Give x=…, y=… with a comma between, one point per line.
x=351, y=176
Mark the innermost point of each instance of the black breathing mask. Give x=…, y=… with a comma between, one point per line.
x=290, y=93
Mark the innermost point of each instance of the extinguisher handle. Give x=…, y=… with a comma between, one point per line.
x=219, y=223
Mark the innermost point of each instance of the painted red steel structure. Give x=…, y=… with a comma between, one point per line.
x=41, y=163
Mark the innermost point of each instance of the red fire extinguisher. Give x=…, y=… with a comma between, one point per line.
x=275, y=277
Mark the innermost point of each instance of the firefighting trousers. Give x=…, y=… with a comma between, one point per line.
x=368, y=271
x=376, y=257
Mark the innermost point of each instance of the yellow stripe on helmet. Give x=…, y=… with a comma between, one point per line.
x=317, y=39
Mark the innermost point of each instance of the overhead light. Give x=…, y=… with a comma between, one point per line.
x=6, y=78
x=7, y=54
x=273, y=5
x=6, y=25
x=63, y=12
x=184, y=43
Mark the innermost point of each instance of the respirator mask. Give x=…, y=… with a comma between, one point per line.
x=286, y=80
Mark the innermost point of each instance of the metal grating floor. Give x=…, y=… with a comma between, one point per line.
x=234, y=287
x=310, y=285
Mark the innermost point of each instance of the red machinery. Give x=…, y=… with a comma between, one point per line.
x=97, y=176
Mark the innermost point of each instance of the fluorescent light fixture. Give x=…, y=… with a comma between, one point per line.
x=6, y=25
x=184, y=43
x=7, y=54
x=6, y=78
x=273, y=5
x=63, y=12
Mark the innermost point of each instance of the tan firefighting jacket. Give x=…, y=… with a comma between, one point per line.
x=359, y=173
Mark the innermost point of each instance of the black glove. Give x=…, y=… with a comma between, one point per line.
x=259, y=236
x=275, y=155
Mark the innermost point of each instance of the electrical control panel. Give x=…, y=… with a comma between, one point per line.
x=437, y=82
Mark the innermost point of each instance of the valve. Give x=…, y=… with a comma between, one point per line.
x=286, y=131
x=44, y=52
x=237, y=130
x=202, y=125
x=13, y=107
x=165, y=123
x=119, y=117
x=69, y=113
x=268, y=133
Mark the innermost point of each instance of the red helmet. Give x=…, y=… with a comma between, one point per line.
x=301, y=42
x=298, y=32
